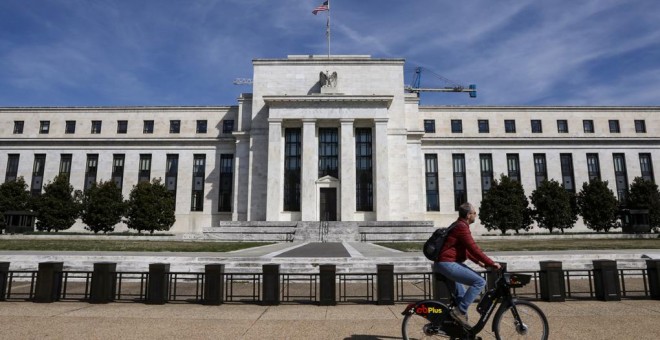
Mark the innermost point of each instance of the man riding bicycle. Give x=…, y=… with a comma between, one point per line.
x=458, y=247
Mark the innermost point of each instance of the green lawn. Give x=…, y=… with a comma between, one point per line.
x=556, y=244
x=115, y=245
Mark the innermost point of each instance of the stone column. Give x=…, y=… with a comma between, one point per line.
x=241, y=174
x=275, y=173
x=310, y=171
x=347, y=167
x=381, y=172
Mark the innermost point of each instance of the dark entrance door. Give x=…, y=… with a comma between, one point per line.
x=328, y=201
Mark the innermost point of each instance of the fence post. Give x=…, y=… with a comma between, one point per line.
x=653, y=272
x=606, y=280
x=104, y=282
x=49, y=282
x=271, y=285
x=385, y=285
x=552, y=281
x=158, y=284
x=214, y=284
x=4, y=277
x=328, y=285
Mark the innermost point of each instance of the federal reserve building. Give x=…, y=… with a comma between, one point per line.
x=334, y=142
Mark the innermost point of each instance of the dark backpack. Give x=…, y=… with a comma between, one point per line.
x=434, y=244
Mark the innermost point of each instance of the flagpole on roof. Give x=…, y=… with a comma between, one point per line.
x=327, y=30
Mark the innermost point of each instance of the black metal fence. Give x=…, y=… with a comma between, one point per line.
x=552, y=283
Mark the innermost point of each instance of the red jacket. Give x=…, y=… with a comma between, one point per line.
x=460, y=246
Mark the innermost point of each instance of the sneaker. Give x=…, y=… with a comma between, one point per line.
x=460, y=317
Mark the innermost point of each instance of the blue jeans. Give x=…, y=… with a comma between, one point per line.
x=462, y=275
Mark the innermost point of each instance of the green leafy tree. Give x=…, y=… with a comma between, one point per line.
x=150, y=207
x=57, y=208
x=14, y=196
x=553, y=208
x=598, y=205
x=644, y=194
x=102, y=207
x=505, y=207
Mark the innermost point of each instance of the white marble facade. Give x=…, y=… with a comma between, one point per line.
x=290, y=93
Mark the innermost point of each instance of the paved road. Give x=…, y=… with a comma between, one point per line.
x=630, y=319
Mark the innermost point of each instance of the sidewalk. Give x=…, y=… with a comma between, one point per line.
x=628, y=319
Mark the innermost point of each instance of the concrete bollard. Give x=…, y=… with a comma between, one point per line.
x=49, y=282
x=552, y=281
x=158, y=285
x=104, y=282
x=328, y=285
x=271, y=285
x=214, y=284
x=385, y=284
x=606, y=280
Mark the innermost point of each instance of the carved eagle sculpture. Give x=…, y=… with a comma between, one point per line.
x=328, y=80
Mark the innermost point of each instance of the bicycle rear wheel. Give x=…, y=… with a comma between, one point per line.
x=417, y=327
x=534, y=323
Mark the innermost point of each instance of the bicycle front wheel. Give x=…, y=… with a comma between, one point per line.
x=417, y=327
x=532, y=324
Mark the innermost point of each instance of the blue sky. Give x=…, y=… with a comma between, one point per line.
x=187, y=52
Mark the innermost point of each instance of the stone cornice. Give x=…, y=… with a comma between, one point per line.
x=538, y=108
x=297, y=99
x=486, y=142
x=59, y=142
x=29, y=109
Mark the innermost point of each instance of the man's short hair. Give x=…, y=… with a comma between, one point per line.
x=464, y=209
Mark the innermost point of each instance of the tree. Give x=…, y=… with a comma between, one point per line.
x=102, y=207
x=598, y=205
x=150, y=207
x=552, y=206
x=505, y=206
x=57, y=208
x=14, y=196
x=644, y=194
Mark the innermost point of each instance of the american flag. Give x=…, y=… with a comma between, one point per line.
x=321, y=8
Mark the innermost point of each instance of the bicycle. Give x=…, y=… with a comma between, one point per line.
x=430, y=319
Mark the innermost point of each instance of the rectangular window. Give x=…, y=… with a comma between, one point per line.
x=12, y=167
x=227, y=126
x=199, y=173
x=118, y=161
x=562, y=126
x=38, y=174
x=96, y=127
x=640, y=126
x=456, y=126
x=429, y=126
x=44, y=127
x=540, y=169
x=175, y=126
x=621, y=176
x=328, y=152
x=593, y=166
x=432, y=193
x=148, y=127
x=460, y=184
x=364, y=190
x=483, y=126
x=292, y=166
x=537, y=126
x=122, y=126
x=509, y=126
x=486, y=161
x=567, y=175
x=226, y=182
x=588, y=126
x=646, y=165
x=513, y=166
x=65, y=164
x=70, y=127
x=614, y=126
x=18, y=127
x=201, y=126
x=91, y=169
x=144, y=172
x=171, y=174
